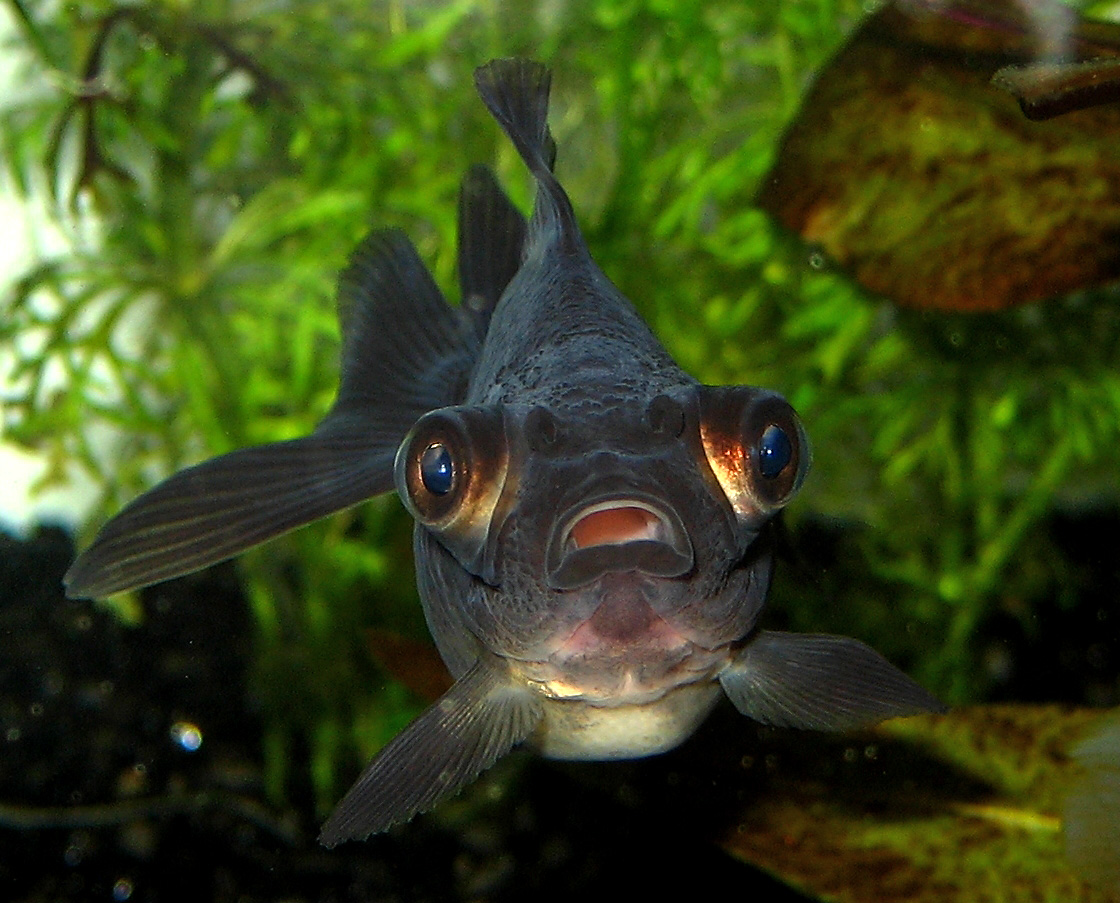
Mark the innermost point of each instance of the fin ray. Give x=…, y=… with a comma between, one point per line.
x=492, y=234
x=820, y=682
x=405, y=351
x=516, y=92
x=475, y=723
x=217, y=509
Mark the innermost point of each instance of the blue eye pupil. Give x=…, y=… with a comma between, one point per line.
x=437, y=472
x=775, y=451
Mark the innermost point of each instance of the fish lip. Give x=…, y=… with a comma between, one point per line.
x=669, y=555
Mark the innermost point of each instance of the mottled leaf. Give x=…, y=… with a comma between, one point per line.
x=927, y=183
x=958, y=807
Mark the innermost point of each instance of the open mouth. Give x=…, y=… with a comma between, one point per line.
x=612, y=523
x=619, y=534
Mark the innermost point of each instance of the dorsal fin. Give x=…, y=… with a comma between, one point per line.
x=515, y=92
x=405, y=350
x=492, y=235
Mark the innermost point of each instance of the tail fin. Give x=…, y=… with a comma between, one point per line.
x=515, y=92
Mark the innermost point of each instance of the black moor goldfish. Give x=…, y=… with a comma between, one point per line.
x=590, y=520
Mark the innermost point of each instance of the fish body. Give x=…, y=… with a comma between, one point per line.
x=591, y=542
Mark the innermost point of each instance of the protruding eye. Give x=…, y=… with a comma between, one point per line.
x=755, y=447
x=775, y=451
x=437, y=470
x=450, y=471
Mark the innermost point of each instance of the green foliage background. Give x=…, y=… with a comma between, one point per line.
x=213, y=163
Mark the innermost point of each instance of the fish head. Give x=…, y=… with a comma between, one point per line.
x=601, y=550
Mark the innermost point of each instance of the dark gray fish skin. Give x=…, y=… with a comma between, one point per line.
x=590, y=521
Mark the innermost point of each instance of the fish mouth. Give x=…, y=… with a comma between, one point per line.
x=620, y=533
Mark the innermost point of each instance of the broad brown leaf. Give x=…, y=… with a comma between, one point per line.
x=927, y=183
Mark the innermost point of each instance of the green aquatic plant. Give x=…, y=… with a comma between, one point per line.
x=211, y=166
x=927, y=184
x=972, y=805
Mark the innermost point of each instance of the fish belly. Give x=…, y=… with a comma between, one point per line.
x=577, y=729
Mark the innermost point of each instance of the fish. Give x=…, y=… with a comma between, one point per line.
x=592, y=525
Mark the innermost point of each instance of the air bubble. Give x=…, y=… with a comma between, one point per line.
x=187, y=735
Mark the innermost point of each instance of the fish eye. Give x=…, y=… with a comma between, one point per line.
x=755, y=447
x=437, y=470
x=775, y=451
x=450, y=468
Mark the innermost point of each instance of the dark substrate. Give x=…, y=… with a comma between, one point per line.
x=102, y=799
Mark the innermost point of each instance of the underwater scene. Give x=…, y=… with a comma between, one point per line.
x=478, y=450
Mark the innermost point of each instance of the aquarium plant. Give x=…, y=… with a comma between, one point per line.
x=211, y=166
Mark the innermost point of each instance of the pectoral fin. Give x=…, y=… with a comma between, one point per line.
x=480, y=719
x=819, y=682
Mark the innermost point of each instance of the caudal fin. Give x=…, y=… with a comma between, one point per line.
x=405, y=351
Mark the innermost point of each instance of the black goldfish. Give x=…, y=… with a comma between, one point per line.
x=590, y=520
